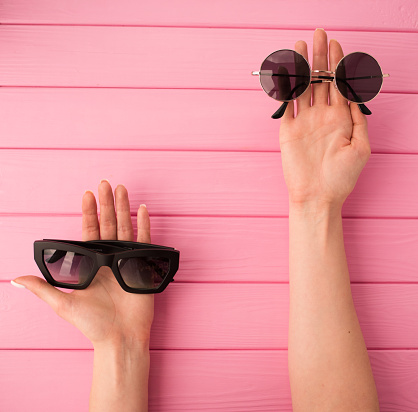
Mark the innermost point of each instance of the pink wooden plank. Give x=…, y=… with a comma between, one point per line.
x=222, y=249
x=387, y=15
x=155, y=57
x=191, y=183
x=126, y=119
x=217, y=316
x=190, y=380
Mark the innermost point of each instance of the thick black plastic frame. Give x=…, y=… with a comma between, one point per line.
x=107, y=253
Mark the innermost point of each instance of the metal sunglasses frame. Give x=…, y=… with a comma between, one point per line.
x=107, y=253
x=321, y=79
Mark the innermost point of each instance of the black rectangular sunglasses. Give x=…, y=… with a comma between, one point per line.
x=138, y=267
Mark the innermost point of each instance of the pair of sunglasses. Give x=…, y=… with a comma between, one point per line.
x=285, y=75
x=138, y=267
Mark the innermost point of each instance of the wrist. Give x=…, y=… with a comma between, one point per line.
x=123, y=343
x=122, y=361
x=315, y=208
x=124, y=357
x=120, y=375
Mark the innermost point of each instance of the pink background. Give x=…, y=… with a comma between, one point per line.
x=158, y=96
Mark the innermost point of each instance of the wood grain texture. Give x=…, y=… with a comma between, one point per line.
x=217, y=316
x=236, y=120
x=227, y=381
x=232, y=249
x=168, y=107
x=192, y=183
x=192, y=58
x=387, y=15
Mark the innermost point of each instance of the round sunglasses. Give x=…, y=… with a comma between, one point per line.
x=285, y=75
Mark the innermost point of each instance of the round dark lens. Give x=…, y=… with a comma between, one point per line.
x=67, y=267
x=358, y=77
x=285, y=75
x=143, y=272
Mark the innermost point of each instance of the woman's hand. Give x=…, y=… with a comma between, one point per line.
x=325, y=146
x=104, y=312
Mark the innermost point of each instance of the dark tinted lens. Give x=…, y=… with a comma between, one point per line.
x=144, y=272
x=68, y=267
x=285, y=75
x=359, y=77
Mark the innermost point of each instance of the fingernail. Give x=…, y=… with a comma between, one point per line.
x=319, y=29
x=18, y=285
x=143, y=205
x=104, y=180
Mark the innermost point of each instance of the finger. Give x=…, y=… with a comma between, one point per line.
x=89, y=223
x=123, y=214
x=59, y=301
x=360, y=136
x=320, y=62
x=107, y=212
x=335, y=55
x=144, y=226
x=303, y=101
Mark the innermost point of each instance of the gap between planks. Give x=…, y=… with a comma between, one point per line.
x=213, y=27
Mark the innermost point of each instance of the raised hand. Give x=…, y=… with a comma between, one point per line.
x=104, y=312
x=325, y=146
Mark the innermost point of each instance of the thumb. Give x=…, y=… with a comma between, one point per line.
x=59, y=301
x=360, y=136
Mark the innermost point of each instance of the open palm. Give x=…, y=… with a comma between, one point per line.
x=104, y=312
x=325, y=146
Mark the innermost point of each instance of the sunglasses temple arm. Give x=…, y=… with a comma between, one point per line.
x=365, y=110
x=280, y=112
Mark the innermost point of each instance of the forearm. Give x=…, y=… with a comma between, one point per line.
x=120, y=377
x=329, y=367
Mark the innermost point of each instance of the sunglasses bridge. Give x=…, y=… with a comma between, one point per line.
x=105, y=260
x=324, y=79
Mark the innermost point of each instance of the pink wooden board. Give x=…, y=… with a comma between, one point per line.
x=76, y=56
x=126, y=119
x=191, y=183
x=387, y=15
x=189, y=380
x=237, y=249
x=160, y=98
x=207, y=315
